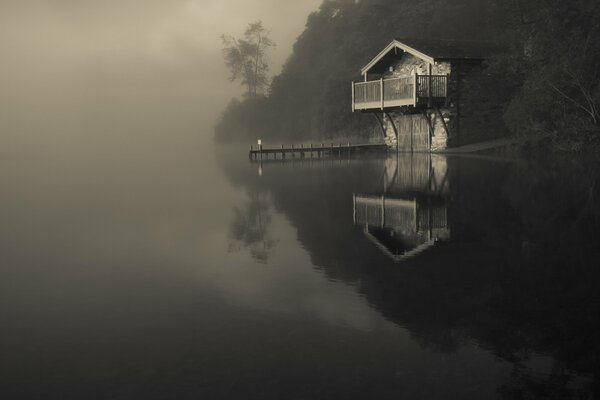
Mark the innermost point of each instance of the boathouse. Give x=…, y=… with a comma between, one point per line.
x=429, y=95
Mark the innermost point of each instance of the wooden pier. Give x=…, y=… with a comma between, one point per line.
x=314, y=151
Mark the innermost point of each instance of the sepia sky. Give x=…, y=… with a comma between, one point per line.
x=89, y=69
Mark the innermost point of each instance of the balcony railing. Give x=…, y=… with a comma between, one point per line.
x=398, y=91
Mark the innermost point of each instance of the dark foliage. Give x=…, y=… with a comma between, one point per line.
x=556, y=62
x=547, y=81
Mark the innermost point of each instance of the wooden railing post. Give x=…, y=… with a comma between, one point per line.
x=381, y=90
x=415, y=89
x=429, y=82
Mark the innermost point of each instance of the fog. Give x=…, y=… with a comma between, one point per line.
x=78, y=75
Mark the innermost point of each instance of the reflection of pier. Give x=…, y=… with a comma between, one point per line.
x=411, y=215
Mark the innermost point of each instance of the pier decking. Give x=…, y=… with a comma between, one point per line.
x=315, y=151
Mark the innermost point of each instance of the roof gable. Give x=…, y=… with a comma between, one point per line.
x=395, y=44
x=431, y=51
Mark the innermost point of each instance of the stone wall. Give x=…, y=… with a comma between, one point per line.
x=439, y=139
x=408, y=64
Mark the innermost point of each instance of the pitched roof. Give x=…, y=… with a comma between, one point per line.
x=437, y=50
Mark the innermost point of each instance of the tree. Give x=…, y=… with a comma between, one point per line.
x=559, y=65
x=246, y=58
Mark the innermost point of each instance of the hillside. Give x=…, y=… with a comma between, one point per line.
x=310, y=99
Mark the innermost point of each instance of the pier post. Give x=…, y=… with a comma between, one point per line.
x=250, y=153
x=293, y=153
x=301, y=150
x=282, y=153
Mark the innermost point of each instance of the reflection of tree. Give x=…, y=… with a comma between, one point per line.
x=519, y=277
x=250, y=227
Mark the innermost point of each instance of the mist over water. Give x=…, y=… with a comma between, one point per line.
x=81, y=76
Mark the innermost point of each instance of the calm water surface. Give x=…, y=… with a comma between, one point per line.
x=187, y=273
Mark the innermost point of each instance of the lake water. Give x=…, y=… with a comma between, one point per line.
x=189, y=272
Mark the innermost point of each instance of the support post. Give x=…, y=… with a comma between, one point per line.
x=352, y=96
x=430, y=126
x=443, y=122
x=382, y=211
x=354, y=208
x=395, y=128
x=380, y=123
x=412, y=133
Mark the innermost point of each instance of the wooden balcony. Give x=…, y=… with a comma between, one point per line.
x=409, y=91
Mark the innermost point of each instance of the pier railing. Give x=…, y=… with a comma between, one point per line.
x=314, y=151
x=394, y=92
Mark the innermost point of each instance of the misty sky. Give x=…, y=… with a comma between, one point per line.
x=86, y=71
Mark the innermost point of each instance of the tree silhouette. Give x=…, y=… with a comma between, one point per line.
x=247, y=59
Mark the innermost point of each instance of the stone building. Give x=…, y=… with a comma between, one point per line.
x=430, y=95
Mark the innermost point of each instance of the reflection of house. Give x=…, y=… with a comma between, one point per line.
x=416, y=173
x=401, y=228
x=411, y=214
x=424, y=93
